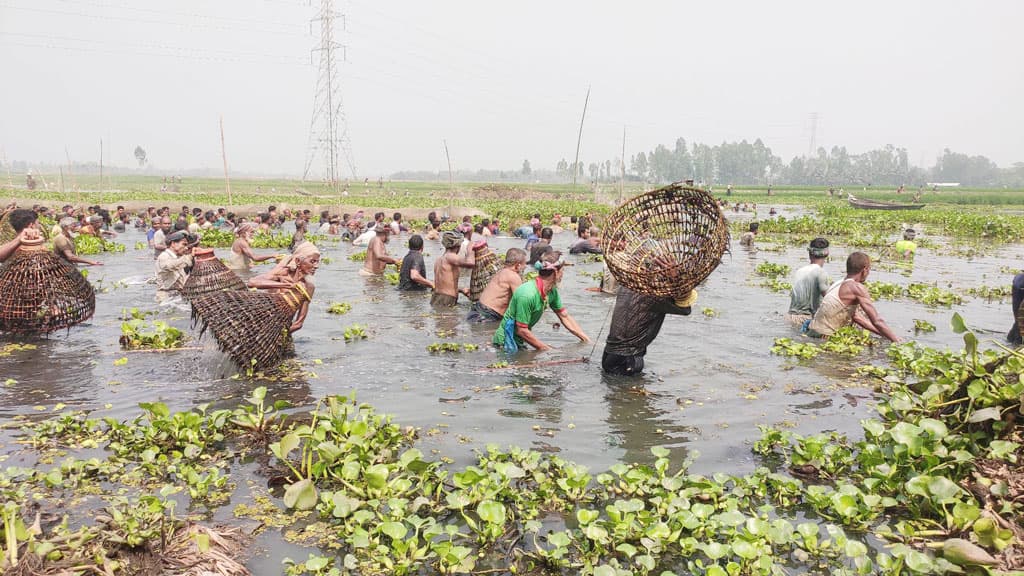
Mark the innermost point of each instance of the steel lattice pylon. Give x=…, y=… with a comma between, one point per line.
x=328, y=133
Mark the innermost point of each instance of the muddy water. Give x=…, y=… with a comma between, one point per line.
x=709, y=382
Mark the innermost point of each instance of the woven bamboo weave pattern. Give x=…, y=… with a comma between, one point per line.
x=250, y=326
x=41, y=292
x=209, y=275
x=665, y=242
x=486, y=267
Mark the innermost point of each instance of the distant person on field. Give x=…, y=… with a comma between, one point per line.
x=810, y=283
x=848, y=302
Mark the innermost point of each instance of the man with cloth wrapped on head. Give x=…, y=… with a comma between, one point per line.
x=527, y=306
x=636, y=321
x=446, y=270
x=810, y=283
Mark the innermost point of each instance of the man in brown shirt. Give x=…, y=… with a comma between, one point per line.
x=64, y=244
x=446, y=270
x=377, y=257
x=495, y=297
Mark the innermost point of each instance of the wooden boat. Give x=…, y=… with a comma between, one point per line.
x=880, y=205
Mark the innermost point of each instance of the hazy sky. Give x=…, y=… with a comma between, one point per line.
x=506, y=81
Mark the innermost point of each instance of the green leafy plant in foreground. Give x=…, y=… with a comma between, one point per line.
x=137, y=333
x=355, y=332
x=339, y=308
x=377, y=504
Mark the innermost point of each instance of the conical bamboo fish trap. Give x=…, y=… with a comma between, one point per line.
x=209, y=275
x=665, y=242
x=486, y=267
x=250, y=326
x=41, y=292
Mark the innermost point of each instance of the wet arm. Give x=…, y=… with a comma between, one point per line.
x=416, y=277
x=9, y=248
x=878, y=324
x=528, y=336
x=270, y=281
x=469, y=260
x=76, y=259
x=570, y=324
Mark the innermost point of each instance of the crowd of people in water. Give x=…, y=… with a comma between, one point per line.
x=514, y=304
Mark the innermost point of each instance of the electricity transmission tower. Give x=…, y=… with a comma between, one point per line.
x=328, y=134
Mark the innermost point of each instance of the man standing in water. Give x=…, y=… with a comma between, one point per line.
x=636, y=322
x=848, y=302
x=747, y=239
x=377, y=257
x=1016, y=301
x=25, y=223
x=64, y=244
x=446, y=270
x=171, y=265
x=413, y=275
x=810, y=283
x=160, y=236
x=527, y=306
x=496, y=295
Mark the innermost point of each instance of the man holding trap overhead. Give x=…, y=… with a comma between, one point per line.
x=658, y=246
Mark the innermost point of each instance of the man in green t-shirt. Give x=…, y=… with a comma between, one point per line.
x=906, y=247
x=527, y=306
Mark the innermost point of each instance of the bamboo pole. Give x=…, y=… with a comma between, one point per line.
x=579, y=139
x=78, y=191
x=451, y=180
x=224, y=156
x=101, y=165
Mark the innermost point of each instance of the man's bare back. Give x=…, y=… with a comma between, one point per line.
x=498, y=292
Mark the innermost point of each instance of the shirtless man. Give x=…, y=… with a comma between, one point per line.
x=494, y=299
x=377, y=257
x=848, y=302
x=446, y=270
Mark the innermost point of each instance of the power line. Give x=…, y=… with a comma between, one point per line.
x=237, y=57
x=109, y=17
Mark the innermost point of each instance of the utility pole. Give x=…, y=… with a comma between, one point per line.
x=11, y=182
x=622, y=164
x=579, y=139
x=328, y=134
x=224, y=156
x=812, y=145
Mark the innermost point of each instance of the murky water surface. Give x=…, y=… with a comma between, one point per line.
x=709, y=382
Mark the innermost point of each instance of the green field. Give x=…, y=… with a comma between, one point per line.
x=510, y=201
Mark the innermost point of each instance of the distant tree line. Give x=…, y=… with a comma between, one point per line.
x=754, y=163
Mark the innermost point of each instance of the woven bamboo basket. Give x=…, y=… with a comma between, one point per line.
x=209, y=275
x=250, y=326
x=486, y=267
x=41, y=292
x=665, y=242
